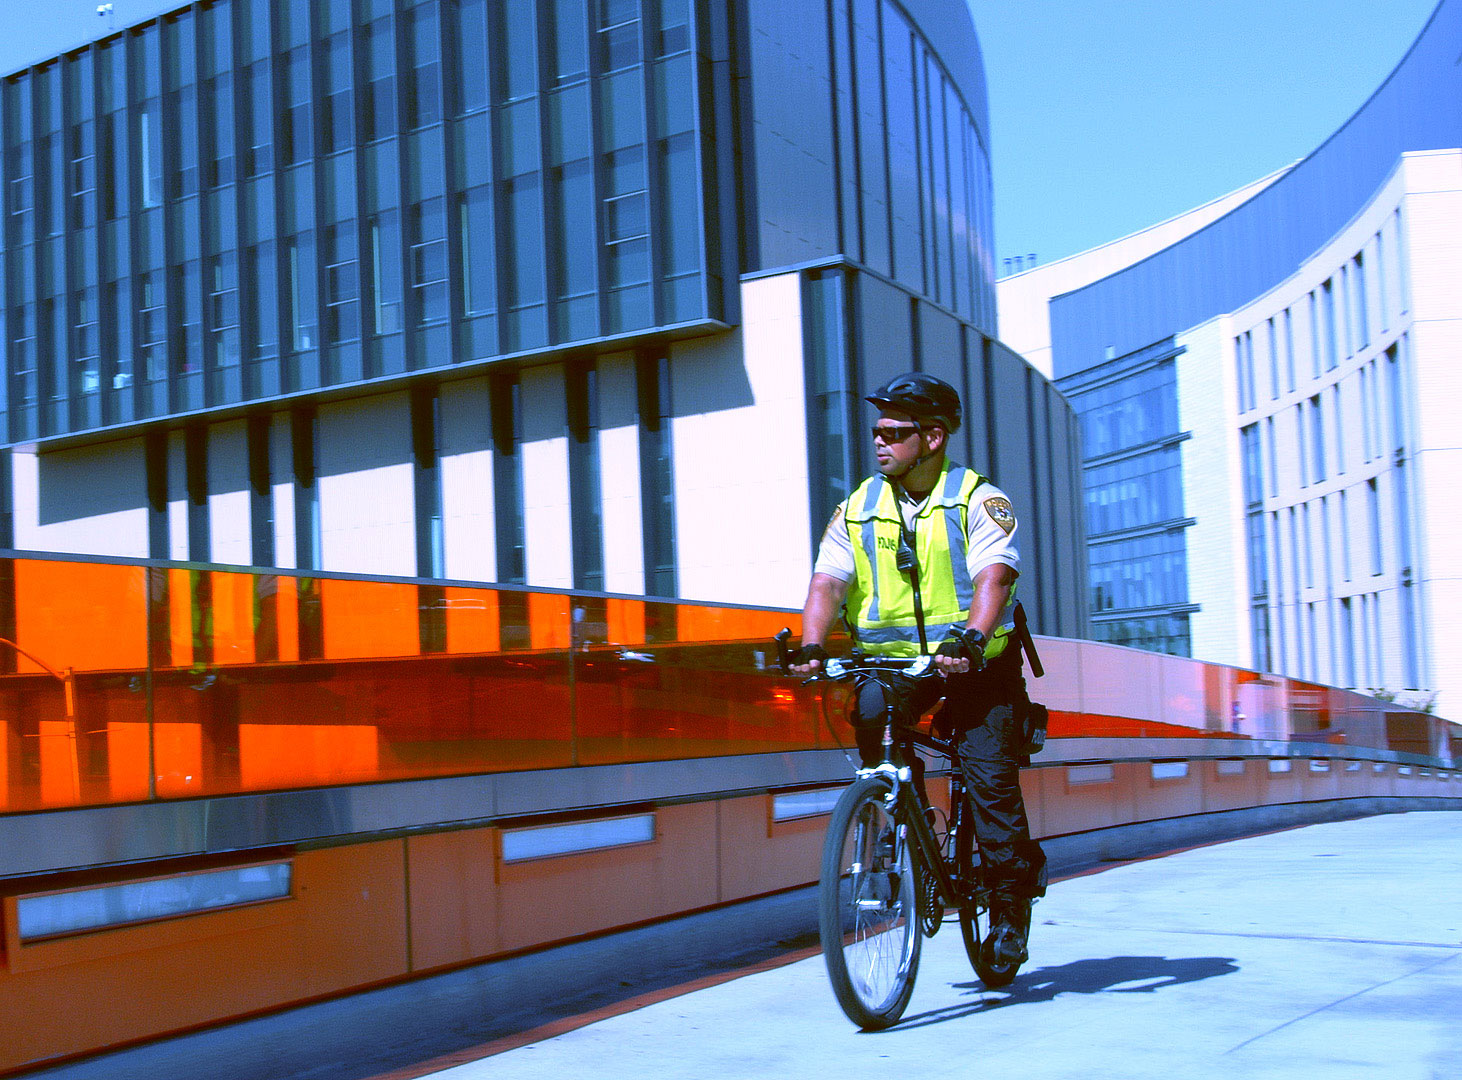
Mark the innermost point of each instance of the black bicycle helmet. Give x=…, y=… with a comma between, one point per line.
x=922, y=396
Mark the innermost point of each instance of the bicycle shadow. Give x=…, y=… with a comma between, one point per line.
x=1115, y=974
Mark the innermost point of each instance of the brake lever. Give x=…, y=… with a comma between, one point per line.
x=784, y=650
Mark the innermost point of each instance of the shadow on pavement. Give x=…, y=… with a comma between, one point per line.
x=1115, y=974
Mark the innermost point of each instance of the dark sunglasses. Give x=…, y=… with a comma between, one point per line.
x=894, y=433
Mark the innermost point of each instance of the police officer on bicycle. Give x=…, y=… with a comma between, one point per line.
x=921, y=558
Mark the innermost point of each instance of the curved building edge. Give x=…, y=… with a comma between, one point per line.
x=1264, y=408
x=1262, y=241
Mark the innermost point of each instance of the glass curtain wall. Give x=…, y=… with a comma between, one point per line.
x=914, y=169
x=1128, y=412
x=250, y=198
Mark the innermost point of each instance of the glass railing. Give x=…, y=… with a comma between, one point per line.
x=130, y=682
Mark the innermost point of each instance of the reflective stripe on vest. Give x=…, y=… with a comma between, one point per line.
x=880, y=603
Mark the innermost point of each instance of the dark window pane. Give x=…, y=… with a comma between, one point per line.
x=424, y=103
x=479, y=278
x=570, y=40
x=574, y=210
x=380, y=80
x=524, y=237
x=469, y=43
x=520, y=62
x=629, y=262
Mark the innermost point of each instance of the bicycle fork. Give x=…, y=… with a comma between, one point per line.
x=931, y=858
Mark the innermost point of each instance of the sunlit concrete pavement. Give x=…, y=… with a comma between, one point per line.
x=1333, y=950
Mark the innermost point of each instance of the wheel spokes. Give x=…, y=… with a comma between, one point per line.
x=881, y=901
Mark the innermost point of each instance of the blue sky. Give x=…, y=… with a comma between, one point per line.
x=1112, y=115
x=1107, y=115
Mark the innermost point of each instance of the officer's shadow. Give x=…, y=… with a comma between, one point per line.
x=1114, y=974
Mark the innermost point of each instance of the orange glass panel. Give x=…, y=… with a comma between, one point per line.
x=287, y=617
x=666, y=701
x=84, y=616
x=233, y=617
x=127, y=761
x=60, y=769
x=548, y=621
x=626, y=619
x=369, y=618
x=697, y=623
x=432, y=716
x=306, y=755
x=271, y=681
x=1067, y=725
x=178, y=756
x=5, y=766
x=472, y=620
x=180, y=617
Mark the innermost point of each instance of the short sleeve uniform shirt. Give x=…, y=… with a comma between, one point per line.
x=991, y=537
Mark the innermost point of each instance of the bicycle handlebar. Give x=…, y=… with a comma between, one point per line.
x=840, y=669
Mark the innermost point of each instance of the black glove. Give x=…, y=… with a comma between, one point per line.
x=807, y=654
x=964, y=645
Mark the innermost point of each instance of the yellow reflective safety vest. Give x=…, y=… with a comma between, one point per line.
x=880, y=602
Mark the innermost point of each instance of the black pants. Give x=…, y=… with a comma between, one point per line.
x=983, y=709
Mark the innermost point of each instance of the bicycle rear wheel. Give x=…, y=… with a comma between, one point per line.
x=976, y=904
x=868, y=907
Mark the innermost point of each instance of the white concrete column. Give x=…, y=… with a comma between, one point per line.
x=177, y=459
x=281, y=483
x=230, y=529
x=619, y=476
x=60, y=504
x=545, y=455
x=740, y=438
x=367, y=486
x=465, y=441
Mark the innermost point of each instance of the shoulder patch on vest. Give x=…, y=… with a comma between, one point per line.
x=1001, y=513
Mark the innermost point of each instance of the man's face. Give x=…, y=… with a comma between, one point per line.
x=898, y=442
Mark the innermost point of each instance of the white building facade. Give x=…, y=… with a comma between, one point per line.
x=1268, y=388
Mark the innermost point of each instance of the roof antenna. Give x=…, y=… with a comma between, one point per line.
x=105, y=11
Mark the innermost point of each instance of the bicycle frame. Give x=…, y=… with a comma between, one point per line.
x=932, y=858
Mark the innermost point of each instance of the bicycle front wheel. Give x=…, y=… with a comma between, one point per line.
x=869, y=906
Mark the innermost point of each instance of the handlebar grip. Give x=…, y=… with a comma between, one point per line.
x=784, y=650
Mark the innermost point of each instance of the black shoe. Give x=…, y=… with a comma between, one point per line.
x=1010, y=920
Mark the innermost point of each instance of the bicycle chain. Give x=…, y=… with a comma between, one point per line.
x=931, y=911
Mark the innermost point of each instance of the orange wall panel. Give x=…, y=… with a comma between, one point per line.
x=342, y=929
x=453, y=897
x=757, y=857
x=626, y=621
x=180, y=617
x=695, y=623
x=590, y=891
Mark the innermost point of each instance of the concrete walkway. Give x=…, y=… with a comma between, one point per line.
x=1330, y=951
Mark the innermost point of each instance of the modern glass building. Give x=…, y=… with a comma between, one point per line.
x=570, y=293
x=1136, y=525
x=1267, y=389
